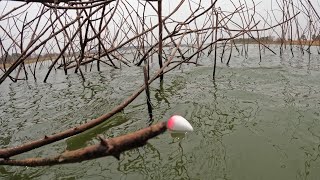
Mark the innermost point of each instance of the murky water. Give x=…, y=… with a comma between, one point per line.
x=256, y=121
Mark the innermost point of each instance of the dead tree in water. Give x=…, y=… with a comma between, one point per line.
x=76, y=34
x=115, y=33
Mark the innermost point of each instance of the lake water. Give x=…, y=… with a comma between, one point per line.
x=255, y=121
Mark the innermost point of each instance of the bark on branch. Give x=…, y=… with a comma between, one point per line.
x=106, y=147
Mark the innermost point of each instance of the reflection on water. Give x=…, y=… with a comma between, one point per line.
x=258, y=120
x=178, y=136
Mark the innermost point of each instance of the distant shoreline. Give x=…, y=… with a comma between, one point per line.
x=27, y=61
x=294, y=42
x=236, y=41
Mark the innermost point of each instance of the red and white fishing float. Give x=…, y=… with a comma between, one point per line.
x=179, y=124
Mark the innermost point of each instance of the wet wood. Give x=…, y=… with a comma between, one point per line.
x=106, y=147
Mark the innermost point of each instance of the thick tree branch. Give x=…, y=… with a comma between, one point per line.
x=106, y=147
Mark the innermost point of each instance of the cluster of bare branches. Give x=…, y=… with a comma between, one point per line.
x=303, y=30
x=73, y=35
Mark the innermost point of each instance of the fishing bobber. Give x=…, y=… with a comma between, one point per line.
x=179, y=124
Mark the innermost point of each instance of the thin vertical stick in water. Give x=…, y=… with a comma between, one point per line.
x=160, y=36
x=146, y=79
x=229, y=58
x=215, y=48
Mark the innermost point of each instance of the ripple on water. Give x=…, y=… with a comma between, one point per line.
x=255, y=121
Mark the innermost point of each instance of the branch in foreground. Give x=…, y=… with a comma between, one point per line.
x=106, y=147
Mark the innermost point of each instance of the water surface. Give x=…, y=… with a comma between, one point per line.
x=257, y=120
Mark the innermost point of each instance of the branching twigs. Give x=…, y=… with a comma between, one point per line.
x=11, y=11
x=73, y=34
x=24, y=55
x=126, y=32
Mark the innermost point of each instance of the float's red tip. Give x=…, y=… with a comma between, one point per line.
x=170, y=123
